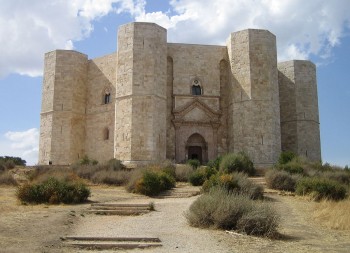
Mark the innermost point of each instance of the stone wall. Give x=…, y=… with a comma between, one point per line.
x=141, y=86
x=299, y=109
x=255, y=101
x=100, y=116
x=63, y=110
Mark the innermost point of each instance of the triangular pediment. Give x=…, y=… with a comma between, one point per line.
x=196, y=111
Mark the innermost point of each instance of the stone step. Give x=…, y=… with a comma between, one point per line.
x=120, y=204
x=118, y=208
x=118, y=212
x=114, y=239
x=112, y=242
x=116, y=245
x=258, y=180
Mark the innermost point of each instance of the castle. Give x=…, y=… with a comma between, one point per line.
x=152, y=100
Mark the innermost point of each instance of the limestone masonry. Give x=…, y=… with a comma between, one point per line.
x=152, y=100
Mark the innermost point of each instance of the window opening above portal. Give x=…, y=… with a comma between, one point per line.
x=196, y=87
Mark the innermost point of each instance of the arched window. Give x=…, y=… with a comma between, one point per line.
x=106, y=133
x=196, y=90
x=196, y=87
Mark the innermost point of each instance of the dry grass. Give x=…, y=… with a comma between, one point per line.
x=333, y=215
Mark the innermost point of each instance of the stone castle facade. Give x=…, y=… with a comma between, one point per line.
x=152, y=100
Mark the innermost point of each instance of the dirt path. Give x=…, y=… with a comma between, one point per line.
x=39, y=228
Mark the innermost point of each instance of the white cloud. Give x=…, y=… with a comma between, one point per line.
x=21, y=144
x=28, y=29
x=303, y=28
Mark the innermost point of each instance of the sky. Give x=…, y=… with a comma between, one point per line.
x=316, y=30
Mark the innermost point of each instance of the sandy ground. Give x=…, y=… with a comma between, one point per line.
x=39, y=228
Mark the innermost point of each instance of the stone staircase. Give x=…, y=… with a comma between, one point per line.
x=182, y=190
x=111, y=243
x=120, y=208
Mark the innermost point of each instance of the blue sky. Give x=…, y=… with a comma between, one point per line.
x=317, y=30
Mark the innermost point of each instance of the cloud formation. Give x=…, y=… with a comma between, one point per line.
x=303, y=28
x=28, y=29
x=21, y=144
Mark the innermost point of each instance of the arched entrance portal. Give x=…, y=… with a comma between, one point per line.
x=196, y=148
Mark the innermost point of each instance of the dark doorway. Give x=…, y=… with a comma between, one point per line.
x=195, y=152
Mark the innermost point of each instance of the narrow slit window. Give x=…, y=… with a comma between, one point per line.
x=106, y=134
x=107, y=98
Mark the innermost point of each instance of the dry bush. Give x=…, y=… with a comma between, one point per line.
x=226, y=210
x=43, y=173
x=6, y=178
x=53, y=191
x=183, y=172
x=333, y=215
x=235, y=182
x=120, y=177
x=321, y=188
x=281, y=180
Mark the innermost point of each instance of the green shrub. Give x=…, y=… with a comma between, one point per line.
x=200, y=175
x=321, y=188
x=237, y=163
x=197, y=178
x=280, y=180
x=167, y=181
x=292, y=167
x=235, y=182
x=11, y=161
x=53, y=191
x=215, y=163
x=226, y=210
x=340, y=176
x=194, y=163
x=152, y=183
x=286, y=157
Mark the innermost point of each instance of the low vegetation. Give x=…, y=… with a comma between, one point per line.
x=321, y=188
x=332, y=214
x=6, y=178
x=183, y=172
x=320, y=181
x=222, y=209
x=239, y=162
x=281, y=180
x=53, y=191
x=152, y=180
x=237, y=183
x=200, y=175
x=9, y=162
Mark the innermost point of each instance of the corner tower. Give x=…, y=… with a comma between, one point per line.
x=140, y=119
x=300, y=128
x=254, y=112
x=62, y=123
